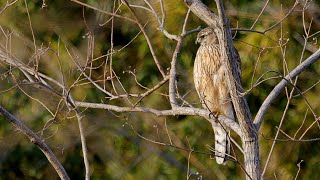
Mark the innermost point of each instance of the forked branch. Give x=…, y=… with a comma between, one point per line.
x=282, y=84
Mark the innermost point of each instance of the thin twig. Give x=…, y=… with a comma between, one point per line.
x=304, y=119
x=279, y=87
x=84, y=146
x=36, y=141
x=102, y=11
x=299, y=167
x=188, y=171
x=264, y=7
x=285, y=17
x=155, y=58
x=167, y=131
x=277, y=134
x=8, y=4
x=152, y=90
x=30, y=25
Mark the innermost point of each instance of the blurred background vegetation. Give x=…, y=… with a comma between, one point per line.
x=115, y=150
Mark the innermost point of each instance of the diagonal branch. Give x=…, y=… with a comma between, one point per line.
x=71, y=105
x=156, y=60
x=102, y=11
x=282, y=84
x=37, y=141
x=203, y=12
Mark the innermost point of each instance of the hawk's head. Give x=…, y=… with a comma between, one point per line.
x=207, y=37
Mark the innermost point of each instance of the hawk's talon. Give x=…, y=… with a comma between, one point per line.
x=213, y=115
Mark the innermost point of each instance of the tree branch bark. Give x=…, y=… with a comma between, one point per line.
x=278, y=89
x=173, y=75
x=37, y=141
x=172, y=112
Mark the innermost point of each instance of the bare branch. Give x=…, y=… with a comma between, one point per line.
x=247, y=30
x=152, y=89
x=7, y=58
x=31, y=29
x=36, y=141
x=84, y=147
x=173, y=75
x=82, y=70
x=155, y=58
x=299, y=167
x=277, y=134
x=264, y=7
x=105, y=12
x=99, y=74
x=69, y=101
x=310, y=47
x=285, y=17
x=203, y=12
x=283, y=83
x=8, y=4
x=172, y=112
x=72, y=106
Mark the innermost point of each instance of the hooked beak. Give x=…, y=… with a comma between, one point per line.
x=197, y=41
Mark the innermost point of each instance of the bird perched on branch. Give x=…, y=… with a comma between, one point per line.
x=211, y=85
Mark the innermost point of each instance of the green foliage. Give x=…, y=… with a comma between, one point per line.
x=16, y=164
